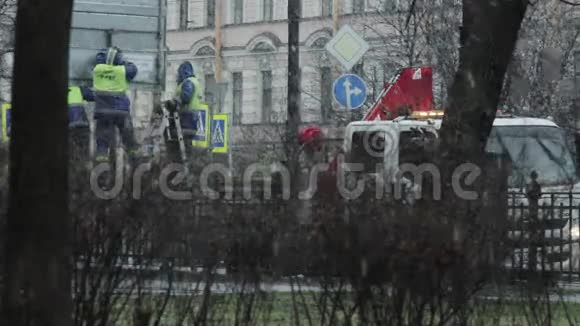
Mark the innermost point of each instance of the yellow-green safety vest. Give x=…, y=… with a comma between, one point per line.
x=77, y=117
x=197, y=91
x=110, y=78
x=75, y=96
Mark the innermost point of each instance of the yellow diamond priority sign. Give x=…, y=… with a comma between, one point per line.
x=347, y=47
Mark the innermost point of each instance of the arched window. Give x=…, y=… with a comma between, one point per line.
x=265, y=42
x=320, y=42
x=205, y=51
x=318, y=39
x=263, y=47
x=203, y=48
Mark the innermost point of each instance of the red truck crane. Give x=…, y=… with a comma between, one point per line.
x=410, y=89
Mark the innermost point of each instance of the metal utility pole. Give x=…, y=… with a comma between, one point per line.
x=293, y=119
x=335, y=16
x=577, y=105
x=218, y=41
x=214, y=88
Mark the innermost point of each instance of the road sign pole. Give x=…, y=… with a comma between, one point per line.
x=210, y=111
x=293, y=106
x=218, y=91
x=230, y=147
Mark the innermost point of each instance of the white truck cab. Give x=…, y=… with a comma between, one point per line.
x=532, y=144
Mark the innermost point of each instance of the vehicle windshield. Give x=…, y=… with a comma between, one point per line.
x=534, y=148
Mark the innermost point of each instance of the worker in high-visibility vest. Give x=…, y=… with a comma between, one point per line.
x=188, y=97
x=78, y=122
x=111, y=78
x=77, y=105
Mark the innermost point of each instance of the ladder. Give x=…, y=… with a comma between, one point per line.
x=171, y=121
x=170, y=130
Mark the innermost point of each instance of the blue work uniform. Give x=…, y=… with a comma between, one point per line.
x=111, y=78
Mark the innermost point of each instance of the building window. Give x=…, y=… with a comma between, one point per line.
x=238, y=89
x=183, y=13
x=320, y=43
x=325, y=93
x=327, y=8
x=268, y=10
x=238, y=11
x=358, y=6
x=266, y=96
x=209, y=81
x=391, y=5
x=210, y=8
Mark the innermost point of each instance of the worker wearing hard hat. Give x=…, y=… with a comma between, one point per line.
x=311, y=140
x=111, y=78
x=187, y=99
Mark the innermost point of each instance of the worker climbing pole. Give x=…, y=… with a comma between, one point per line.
x=111, y=77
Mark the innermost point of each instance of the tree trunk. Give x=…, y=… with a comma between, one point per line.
x=38, y=243
x=488, y=38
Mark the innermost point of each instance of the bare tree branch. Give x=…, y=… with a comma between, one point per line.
x=411, y=13
x=570, y=3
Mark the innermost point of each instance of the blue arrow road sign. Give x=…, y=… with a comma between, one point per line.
x=350, y=91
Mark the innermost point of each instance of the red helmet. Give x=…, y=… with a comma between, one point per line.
x=309, y=134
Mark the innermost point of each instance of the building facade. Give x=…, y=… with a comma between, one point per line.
x=253, y=43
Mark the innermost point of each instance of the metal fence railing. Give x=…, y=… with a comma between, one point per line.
x=543, y=235
x=544, y=232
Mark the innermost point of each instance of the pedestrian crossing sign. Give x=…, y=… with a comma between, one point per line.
x=201, y=121
x=6, y=121
x=219, y=133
